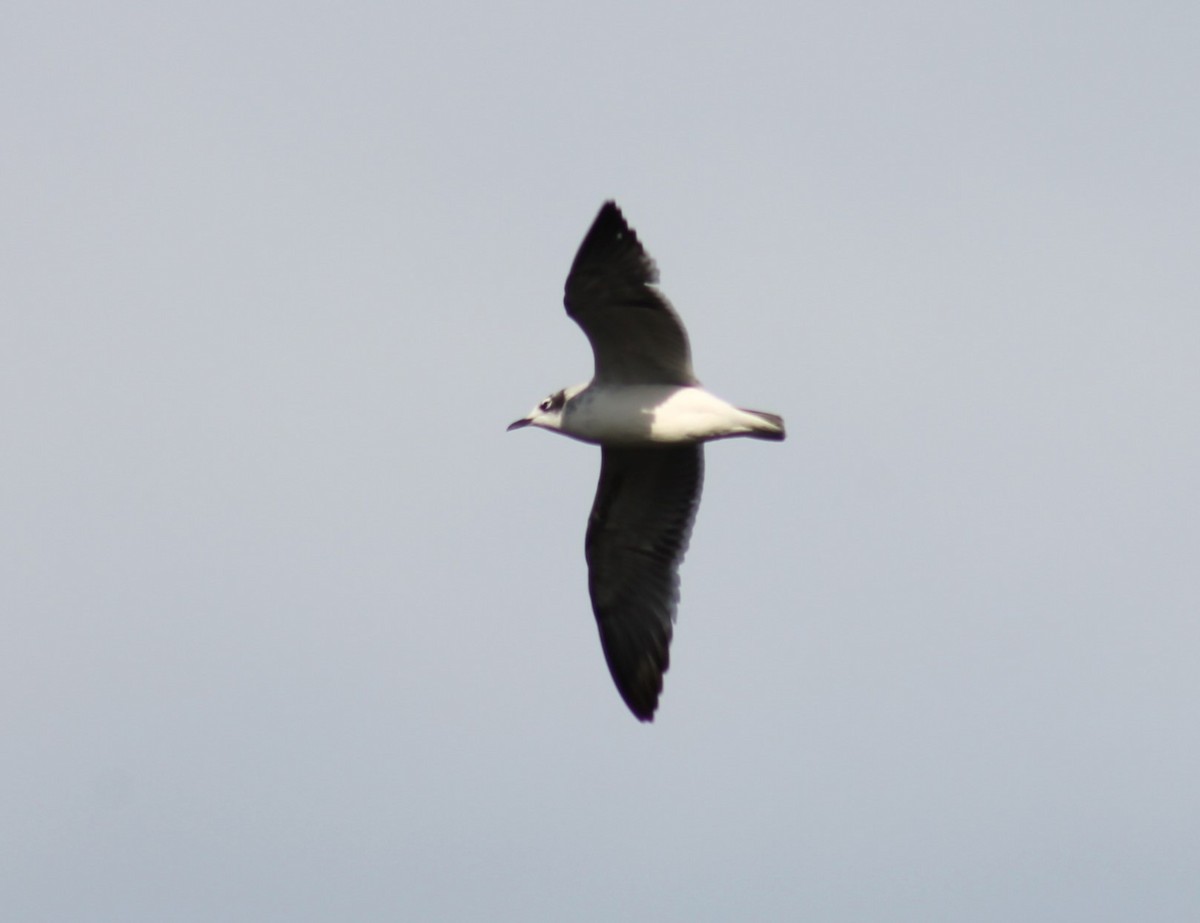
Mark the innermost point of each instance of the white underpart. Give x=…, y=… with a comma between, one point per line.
x=613, y=414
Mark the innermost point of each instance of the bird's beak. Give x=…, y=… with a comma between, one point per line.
x=524, y=421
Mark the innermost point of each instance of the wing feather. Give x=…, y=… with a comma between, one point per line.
x=637, y=534
x=636, y=336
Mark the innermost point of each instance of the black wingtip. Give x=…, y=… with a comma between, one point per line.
x=643, y=710
x=639, y=679
x=611, y=243
x=610, y=209
x=609, y=224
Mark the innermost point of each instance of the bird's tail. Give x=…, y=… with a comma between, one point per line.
x=771, y=425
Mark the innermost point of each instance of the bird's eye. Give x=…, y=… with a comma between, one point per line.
x=545, y=405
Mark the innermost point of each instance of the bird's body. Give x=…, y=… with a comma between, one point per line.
x=617, y=414
x=650, y=416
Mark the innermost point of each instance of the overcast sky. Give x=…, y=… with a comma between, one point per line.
x=294, y=631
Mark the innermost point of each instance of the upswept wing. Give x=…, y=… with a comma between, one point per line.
x=637, y=534
x=636, y=336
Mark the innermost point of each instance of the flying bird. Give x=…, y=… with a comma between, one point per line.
x=650, y=417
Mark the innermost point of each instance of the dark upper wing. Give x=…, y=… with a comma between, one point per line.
x=636, y=337
x=637, y=535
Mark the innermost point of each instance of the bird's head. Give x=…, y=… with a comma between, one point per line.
x=548, y=414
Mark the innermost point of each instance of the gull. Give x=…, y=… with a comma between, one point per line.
x=650, y=417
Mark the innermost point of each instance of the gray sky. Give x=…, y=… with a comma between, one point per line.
x=295, y=631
